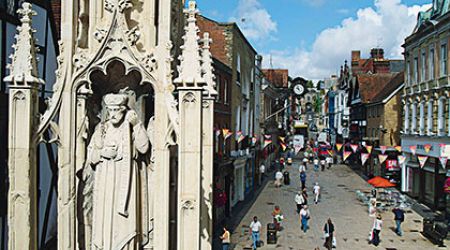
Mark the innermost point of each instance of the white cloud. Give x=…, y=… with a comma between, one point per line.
x=254, y=20
x=387, y=24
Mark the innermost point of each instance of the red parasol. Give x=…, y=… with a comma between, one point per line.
x=380, y=182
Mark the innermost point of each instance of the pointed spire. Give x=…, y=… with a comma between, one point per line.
x=207, y=67
x=23, y=68
x=190, y=70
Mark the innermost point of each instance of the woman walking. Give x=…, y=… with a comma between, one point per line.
x=225, y=239
x=328, y=232
x=376, y=229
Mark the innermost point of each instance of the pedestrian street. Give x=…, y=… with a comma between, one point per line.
x=338, y=202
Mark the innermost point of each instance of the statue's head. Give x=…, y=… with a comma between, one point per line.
x=116, y=106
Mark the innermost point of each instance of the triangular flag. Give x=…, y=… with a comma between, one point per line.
x=413, y=149
x=228, y=134
x=241, y=138
x=268, y=137
x=369, y=149
x=401, y=159
x=225, y=132
x=254, y=140
x=383, y=149
x=267, y=142
x=422, y=160
x=364, y=158
x=398, y=148
x=330, y=152
x=382, y=158
x=338, y=146
x=346, y=154
x=283, y=146
x=354, y=147
x=443, y=161
x=297, y=149
x=427, y=148
x=281, y=139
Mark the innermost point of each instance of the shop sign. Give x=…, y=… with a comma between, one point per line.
x=392, y=165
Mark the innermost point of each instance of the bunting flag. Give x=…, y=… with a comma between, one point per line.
x=297, y=148
x=442, y=147
x=382, y=158
x=354, y=147
x=383, y=149
x=364, y=158
x=338, y=146
x=427, y=148
x=267, y=137
x=369, y=149
x=346, y=154
x=443, y=161
x=413, y=149
x=422, y=160
x=401, y=159
x=283, y=146
x=281, y=139
x=398, y=148
x=267, y=142
x=330, y=152
x=226, y=133
x=241, y=138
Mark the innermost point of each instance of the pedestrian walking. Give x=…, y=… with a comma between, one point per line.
x=316, y=190
x=304, y=218
x=328, y=230
x=303, y=179
x=305, y=161
x=376, y=229
x=399, y=217
x=277, y=217
x=278, y=178
x=255, y=230
x=299, y=201
x=316, y=164
x=322, y=164
x=262, y=171
x=226, y=240
x=329, y=161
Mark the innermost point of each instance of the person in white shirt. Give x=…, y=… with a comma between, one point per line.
x=322, y=164
x=299, y=201
x=262, y=171
x=304, y=217
x=376, y=229
x=301, y=168
x=305, y=160
x=316, y=190
x=255, y=227
x=329, y=161
x=278, y=178
x=316, y=164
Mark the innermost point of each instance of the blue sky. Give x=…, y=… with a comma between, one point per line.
x=312, y=38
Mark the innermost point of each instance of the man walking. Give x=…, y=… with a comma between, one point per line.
x=316, y=190
x=262, y=171
x=303, y=179
x=299, y=201
x=304, y=217
x=322, y=164
x=316, y=164
x=255, y=227
x=399, y=217
x=329, y=161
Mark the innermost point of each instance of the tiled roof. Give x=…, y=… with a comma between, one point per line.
x=392, y=85
x=372, y=84
x=278, y=77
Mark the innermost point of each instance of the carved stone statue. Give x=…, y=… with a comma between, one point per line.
x=117, y=153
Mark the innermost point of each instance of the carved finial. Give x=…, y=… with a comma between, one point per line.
x=207, y=67
x=23, y=68
x=190, y=69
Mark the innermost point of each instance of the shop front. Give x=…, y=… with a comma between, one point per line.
x=237, y=190
x=425, y=181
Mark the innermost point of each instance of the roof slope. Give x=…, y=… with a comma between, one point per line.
x=390, y=88
x=371, y=84
x=278, y=77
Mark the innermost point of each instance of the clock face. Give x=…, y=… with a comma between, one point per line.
x=299, y=89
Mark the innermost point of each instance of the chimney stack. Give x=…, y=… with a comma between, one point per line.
x=377, y=53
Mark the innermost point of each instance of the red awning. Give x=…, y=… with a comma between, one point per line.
x=380, y=182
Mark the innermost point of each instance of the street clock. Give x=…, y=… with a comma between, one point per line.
x=299, y=89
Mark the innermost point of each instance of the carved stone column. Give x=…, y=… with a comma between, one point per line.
x=190, y=91
x=207, y=147
x=22, y=141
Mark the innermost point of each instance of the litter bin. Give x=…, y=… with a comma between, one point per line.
x=287, y=181
x=271, y=233
x=428, y=225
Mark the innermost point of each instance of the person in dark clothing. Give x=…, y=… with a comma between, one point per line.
x=328, y=230
x=399, y=217
x=303, y=179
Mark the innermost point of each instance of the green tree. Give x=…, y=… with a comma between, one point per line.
x=317, y=103
x=309, y=84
